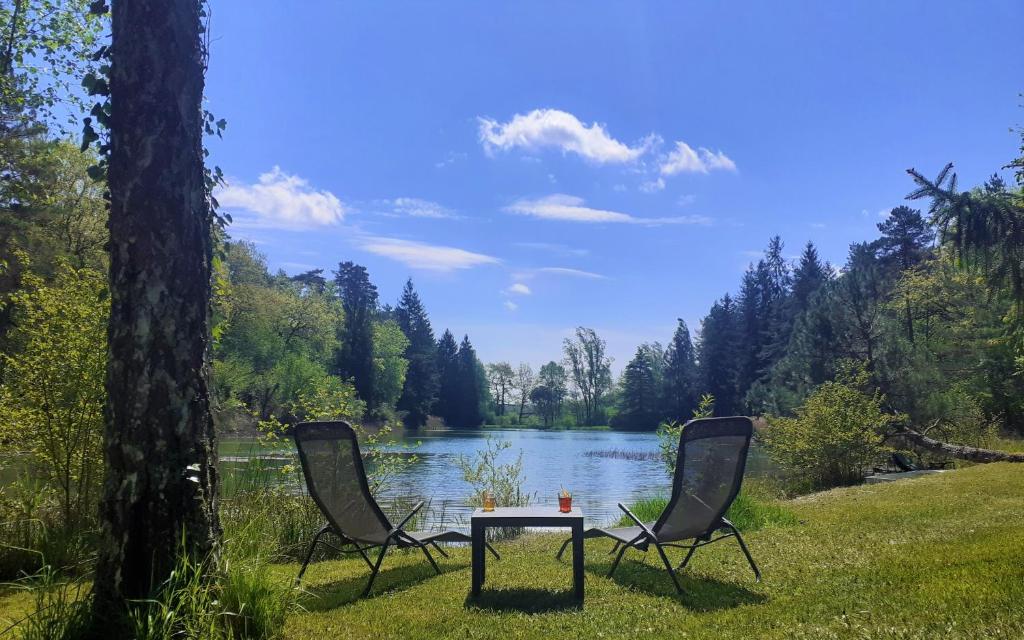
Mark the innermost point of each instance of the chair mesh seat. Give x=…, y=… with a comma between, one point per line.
x=709, y=471
x=336, y=479
x=337, y=482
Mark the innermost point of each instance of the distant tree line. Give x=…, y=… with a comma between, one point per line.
x=932, y=310
x=280, y=336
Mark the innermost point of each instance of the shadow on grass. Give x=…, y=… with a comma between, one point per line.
x=524, y=600
x=699, y=593
x=339, y=593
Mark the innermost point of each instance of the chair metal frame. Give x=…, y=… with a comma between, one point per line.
x=692, y=431
x=397, y=536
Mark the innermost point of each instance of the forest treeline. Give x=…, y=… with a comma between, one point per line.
x=931, y=309
x=280, y=337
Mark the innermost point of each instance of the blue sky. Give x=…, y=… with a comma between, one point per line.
x=535, y=166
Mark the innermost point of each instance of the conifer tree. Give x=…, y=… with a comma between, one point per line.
x=778, y=321
x=905, y=243
x=355, y=355
x=472, y=385
x=447, y=366
x=752, y=310
x=421, y=378
x=808, y=277
x=680, y=392
x=718, y=355
x=640, y=405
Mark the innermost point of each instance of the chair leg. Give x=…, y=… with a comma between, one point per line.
x=426, y=552
x=362, y=552
x=439, y=549
x=668, y=567
x=376, y=569
x=309, y=555
x=565, y=544
x=488, y=546
x=618, y=558
x=615, y=548
x=686, y=560
x=746, y=552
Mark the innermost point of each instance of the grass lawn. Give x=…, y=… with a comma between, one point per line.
x=940, y=556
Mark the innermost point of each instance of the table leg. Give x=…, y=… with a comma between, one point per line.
x=478, y=557
x=577, y=560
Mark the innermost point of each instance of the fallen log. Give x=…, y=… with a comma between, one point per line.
x=958, y=451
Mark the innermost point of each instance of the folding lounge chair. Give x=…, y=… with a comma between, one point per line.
x=333, y=466
x=709, y=470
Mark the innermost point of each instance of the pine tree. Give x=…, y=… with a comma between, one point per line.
x=808, y=277
x=752, y=309
x=472, y=385
x=680, y=392
x=640, y=405
x=447, y=367
x=312, y=280
x=905, y=243
x=355, y=355
x=717, y=353
x=421, y=378
x=778, y=322
x=906, y=238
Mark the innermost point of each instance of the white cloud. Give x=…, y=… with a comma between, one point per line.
x=686, y=200
x=818, y=225
x=653, y=186
x=280, y=201
x=571, y=209
x=418, y=255
x=419, y=208
x=683, y=159
x=518, y=289
x=554, y=247
x=573, y=273
x=511, y=306
x=542, y=128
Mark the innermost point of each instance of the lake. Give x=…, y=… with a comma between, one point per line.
x=586, y=462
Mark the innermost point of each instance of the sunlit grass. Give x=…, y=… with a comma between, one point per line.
x=937, y=556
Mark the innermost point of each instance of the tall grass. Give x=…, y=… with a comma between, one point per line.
x=34, y=535
x=61, y=611
x=211, y=599
x=752, y=509
x=240, y=601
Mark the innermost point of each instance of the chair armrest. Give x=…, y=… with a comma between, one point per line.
x=398, y=528
x=637, y=521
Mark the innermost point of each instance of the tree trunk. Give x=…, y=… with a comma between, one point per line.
x=961, y=452
x=159, y=447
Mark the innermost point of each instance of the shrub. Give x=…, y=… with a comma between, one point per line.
x=505, y=481
x=669, y=432
x=51, y=417
x=51, y=401
x=484, y=473
x=836, y=435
